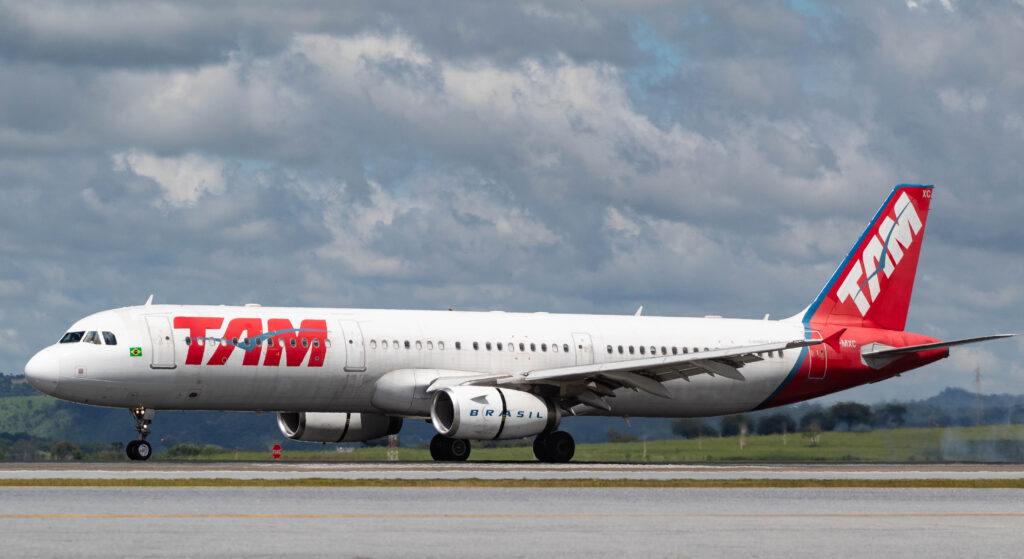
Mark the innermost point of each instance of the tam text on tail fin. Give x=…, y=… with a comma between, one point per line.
x=873, y=285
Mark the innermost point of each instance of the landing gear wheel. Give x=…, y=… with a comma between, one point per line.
x=140, y=449
x=556, y=446
x=540, y=450
x=447, y=449
x=143, y=450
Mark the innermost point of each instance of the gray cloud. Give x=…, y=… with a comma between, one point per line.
x=711, y=158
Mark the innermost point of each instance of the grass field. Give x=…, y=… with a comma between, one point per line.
x=1001, y=443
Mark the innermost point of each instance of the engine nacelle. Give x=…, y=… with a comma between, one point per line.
x=479, y=412
x=322, y=427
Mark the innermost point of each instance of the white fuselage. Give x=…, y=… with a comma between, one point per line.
x=184, y=369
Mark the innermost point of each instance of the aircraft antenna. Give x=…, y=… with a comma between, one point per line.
x=150, y=300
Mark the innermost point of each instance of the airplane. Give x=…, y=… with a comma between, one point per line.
x=337, y=375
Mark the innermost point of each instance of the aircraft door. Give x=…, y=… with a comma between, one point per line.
x=355, y=353
x=584, y=348
x=817, y=359
x=162, y=337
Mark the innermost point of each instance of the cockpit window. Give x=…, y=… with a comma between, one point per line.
x=72, y=338
x=91, y=337
x=109, y=339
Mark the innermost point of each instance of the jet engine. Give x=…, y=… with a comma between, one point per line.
x=321, y=427
x=481, y=412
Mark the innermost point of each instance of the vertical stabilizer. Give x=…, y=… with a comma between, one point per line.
x=872, y=286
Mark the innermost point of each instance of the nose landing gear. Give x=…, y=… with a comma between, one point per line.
x=140, y=449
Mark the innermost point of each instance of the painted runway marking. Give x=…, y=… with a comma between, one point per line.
x=525, y=515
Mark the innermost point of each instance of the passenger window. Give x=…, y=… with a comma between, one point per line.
x=406, y=344
x=654, y=350
x=533, y=347
x=642, y=350
x=675, y=350
x=430, y=345
x=305, y=342
x=609, y=349
x=522, y=346
x=384, y=344
x=109, y=339
x=188, y=340
x=664, y=351
x=498, y=345
x=292, y=342
x=92, y=337
x=554, y=348
x=620, y=350
x=373, y=344
x=440, y=346
x=476, y=345
x=631, y=350
x=419, y=344
x=544, y=347
x=394, y=344
x=511, y=346
x=488, y=346
x=458, y=345
x=565, y=348
x=686, y=350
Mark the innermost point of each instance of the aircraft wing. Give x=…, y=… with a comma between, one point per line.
x=591, y=383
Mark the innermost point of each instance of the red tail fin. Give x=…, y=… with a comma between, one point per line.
x=872, y=287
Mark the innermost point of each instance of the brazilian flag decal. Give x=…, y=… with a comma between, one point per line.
x=135, y=352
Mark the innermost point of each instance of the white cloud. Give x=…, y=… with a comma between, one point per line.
x=9, y=287
x=183, y=179
x=963, y=101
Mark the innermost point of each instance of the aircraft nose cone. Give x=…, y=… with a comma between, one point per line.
x=43, y=371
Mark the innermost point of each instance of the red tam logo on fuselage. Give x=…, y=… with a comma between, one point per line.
x=881, y=254
x=248, y=335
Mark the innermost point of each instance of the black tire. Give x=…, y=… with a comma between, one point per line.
x=557, y=447
x=131, y=449
x=143, y=450
x=458, y=450
x=439, y=448
x=540, y=448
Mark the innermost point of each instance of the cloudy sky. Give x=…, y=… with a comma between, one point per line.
x=692, y=157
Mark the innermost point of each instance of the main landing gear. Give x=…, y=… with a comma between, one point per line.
x=556, y=446
x=447, y=449
x=140, y=449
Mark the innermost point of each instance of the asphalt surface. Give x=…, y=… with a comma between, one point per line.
x=515, y=470
x=418, y=522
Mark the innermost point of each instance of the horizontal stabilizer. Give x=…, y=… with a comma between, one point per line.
x=877, y=356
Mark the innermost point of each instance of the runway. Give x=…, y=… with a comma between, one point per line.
x=498, y=471
x=445, y=522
